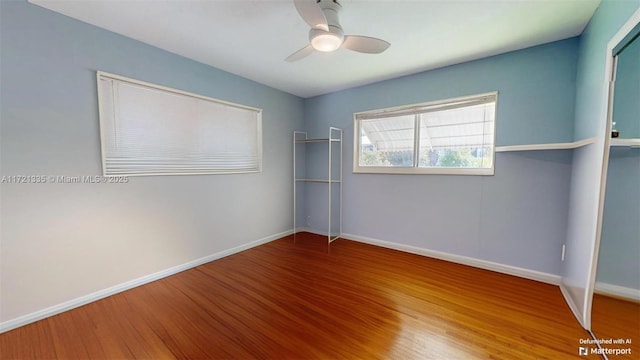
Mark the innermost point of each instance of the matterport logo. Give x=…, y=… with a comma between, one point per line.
x=603, y=347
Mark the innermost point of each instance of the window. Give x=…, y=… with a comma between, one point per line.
x=454, y=136
x=147, y=129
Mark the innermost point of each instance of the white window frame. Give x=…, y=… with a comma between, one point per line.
x=415, y=109
x=107, y=104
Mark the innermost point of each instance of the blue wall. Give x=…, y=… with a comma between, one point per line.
x=620, y=243
x=63, y=241
x=535, y=102
x=517, y=217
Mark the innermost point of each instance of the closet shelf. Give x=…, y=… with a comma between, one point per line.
x=305, y=141
x=552, y=146
x=319, y=180
x=634, y=143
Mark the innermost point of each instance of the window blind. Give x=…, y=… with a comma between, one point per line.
x=147, y=129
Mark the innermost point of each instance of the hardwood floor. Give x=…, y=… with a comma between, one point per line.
x=296, y=300
x=614, y=318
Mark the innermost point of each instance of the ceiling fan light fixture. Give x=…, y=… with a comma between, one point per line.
x=326, y=42
x=326, y=34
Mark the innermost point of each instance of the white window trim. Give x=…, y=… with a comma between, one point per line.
x=104, y=75
x=380, y=113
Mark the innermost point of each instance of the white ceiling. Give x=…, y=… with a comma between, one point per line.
x=251, y=38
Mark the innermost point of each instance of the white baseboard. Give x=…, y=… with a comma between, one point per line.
x=464, y=260
x=310, y=230
x=313, y=231
x=617, y=291
x=83, y=300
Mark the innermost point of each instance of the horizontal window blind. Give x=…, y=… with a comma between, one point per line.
x=469, y=126
x=152, y=130
x=426, y=108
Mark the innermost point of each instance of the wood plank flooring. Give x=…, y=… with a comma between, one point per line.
x=614, y=318
x=296, y=300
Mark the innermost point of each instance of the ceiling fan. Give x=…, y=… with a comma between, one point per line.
x=326, y=34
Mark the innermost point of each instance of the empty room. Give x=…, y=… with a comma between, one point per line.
x=319, y=179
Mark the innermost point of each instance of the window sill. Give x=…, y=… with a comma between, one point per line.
x=421, y=171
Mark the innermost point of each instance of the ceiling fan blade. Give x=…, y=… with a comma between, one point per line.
x=365, y=44
x=302, y=53
x=312, y=14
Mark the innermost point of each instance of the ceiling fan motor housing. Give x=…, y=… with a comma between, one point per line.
x=326, y=33
x=328, y=40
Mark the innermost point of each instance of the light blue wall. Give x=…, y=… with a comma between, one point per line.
x=535, y=103
x=63, y=241
x=517, y=217
x=618, y=261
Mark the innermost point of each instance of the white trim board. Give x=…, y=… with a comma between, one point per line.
x=617, y=291
x=459, y=259
x=83, y=300
x=552, y=146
